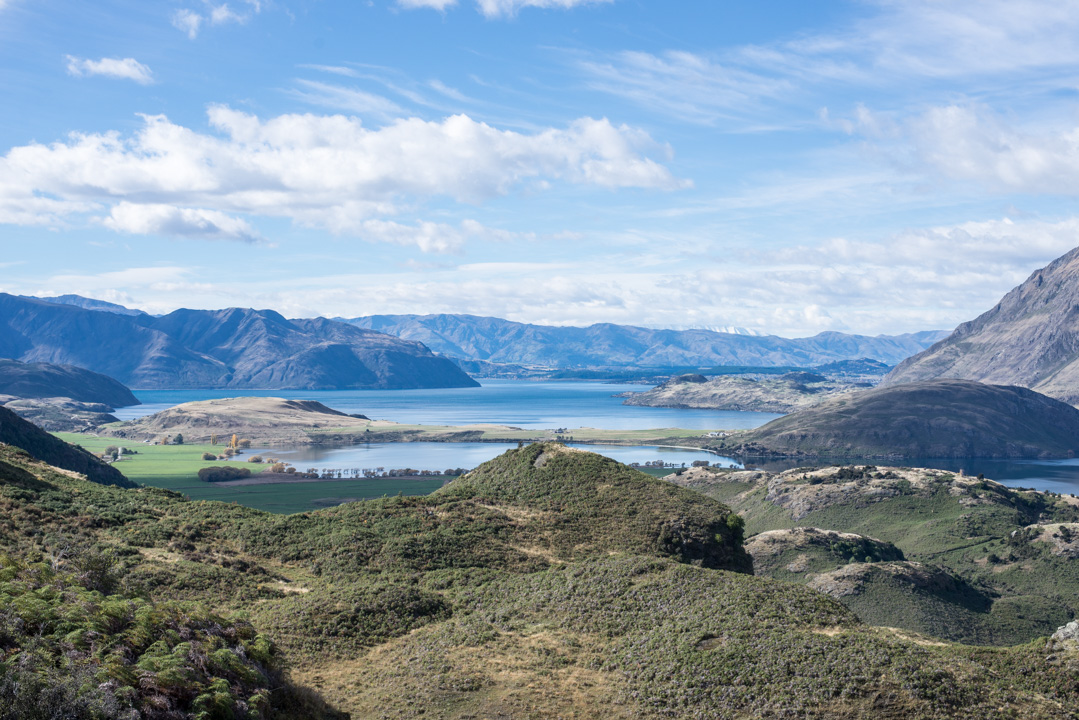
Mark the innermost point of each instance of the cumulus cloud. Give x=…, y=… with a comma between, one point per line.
x=157, y=219
x=126, y=68
x=323, y=171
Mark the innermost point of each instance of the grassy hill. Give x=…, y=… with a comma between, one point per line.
x=931, y=419
x=547, y=583
x=960, y=558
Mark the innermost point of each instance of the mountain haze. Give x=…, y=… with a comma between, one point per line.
x=502, y=341
x=1031, y=339
x=231, y=348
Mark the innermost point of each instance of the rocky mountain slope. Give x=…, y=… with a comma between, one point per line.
x=931, y=419
x=959, y=558
x=775, y=394
x=234, y=348
x=87, y=303
x=605, y=345
x=45, y=380
x=546, y=583
x=1031, y=339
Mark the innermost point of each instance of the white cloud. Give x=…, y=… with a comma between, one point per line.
x=500, y=8
x=126, y=68
x=433, y=4
x=322, y=171
x=187, y=21
x=684, y=85
x=349, y=99
x=509, y=8
x=190, y=21
x=157, y=219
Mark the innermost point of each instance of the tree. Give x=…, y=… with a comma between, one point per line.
x=178, y=440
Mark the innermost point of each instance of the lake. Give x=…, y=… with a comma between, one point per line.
x=548, y=405
x=519, y=403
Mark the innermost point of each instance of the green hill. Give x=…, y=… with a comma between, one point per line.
x=931, y=419
x=987, y=564
x=547, y=583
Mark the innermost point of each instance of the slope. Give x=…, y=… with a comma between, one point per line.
x=932, y=419
x=1030, y=338
x=502, y=341
x=25, y=435
x=239, y=348
x=460, y=605
x=44, y=380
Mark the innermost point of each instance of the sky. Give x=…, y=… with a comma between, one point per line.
x=874, y=167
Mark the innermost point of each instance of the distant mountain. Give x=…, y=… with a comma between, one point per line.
x=45, y=380
x=47, y=448
x=1031, y=338
x=87, y=304
x=494, y=340
x=233, y=348
x=930, y=419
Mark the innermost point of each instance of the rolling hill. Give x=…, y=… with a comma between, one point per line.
x=931, y=419
x=232, y=348
x=1030, y=338
x=547, y=583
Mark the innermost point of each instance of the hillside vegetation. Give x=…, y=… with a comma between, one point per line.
x=932, y=419
x=959, y=558
x=547, y=583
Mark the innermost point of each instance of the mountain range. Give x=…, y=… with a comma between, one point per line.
x=1030, y=338
x=231, y=348
x=471, y=337
x=45, y=380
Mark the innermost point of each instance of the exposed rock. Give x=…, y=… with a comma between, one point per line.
x=1031, y=339
x=744, y=393
x=62, y=414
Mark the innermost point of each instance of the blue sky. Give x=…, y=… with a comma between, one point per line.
x=787, y=167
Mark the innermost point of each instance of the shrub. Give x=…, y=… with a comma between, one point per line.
x=255, y=459
x=222, y=473
x=209, y=456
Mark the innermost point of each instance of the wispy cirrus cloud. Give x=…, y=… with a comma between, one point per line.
x=190, y=20
x=123, y=68
x=500, y=8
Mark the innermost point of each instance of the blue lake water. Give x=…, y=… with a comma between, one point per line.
x=443, y=456
x=548, y=405
x=519, y=403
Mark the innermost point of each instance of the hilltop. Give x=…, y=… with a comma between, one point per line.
x=546, y=583
x=495, y=340
x=232, y=348
x=46, y=380
x=958, y=558
x=932, y=419
x=1030, y=338
x=777, y=394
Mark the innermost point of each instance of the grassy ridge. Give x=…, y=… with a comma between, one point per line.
x=546, y=583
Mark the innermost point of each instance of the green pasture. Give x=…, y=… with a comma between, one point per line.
x=176, y=467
